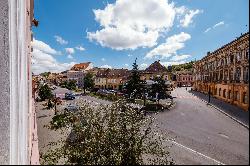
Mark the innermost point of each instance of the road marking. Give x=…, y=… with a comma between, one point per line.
x=194, y=151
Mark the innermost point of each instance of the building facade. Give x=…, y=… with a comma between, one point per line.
x=184, y=78
x=111, y=78
x=225, y=72
x=78, y=76
x=155, y=70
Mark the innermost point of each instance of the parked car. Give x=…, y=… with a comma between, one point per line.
x=69, y=96
x=152, y=108
x=71, y=107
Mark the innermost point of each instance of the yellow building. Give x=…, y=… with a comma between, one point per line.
x=225, y=71
x=111, y=78
x=155, y=70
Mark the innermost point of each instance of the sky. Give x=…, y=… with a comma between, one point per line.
x=113, y=33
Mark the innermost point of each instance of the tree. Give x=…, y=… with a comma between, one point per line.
x=134, y=85
x=45, y=92
x=116, y=134
x=71, y=85
x=88, y=82
x=159, y=87
x=45, y=74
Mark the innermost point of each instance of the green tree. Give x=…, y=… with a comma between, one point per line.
x=88, y=82
x=116, y=134
x=159, y=87
x=134, y=86
x=45, y=92
x=45, y=74
x=71, y=85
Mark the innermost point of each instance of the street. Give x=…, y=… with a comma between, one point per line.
x=200, y=133
x=203, y=129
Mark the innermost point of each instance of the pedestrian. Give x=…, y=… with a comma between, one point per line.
x=186, y=88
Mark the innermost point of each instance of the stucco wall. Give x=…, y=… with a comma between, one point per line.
x=4, y=83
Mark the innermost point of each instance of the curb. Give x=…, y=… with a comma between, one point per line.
x=241, y=123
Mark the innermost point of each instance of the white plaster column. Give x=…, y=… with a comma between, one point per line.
x=19, y=86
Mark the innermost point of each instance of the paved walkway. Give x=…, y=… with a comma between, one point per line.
x=232, y=110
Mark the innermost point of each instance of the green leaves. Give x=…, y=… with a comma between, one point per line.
x=107, y=135
x=89, y=81
x=45, y=92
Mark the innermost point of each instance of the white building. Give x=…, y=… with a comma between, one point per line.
x=78, y=76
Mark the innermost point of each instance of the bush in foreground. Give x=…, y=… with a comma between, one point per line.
x=107, y=135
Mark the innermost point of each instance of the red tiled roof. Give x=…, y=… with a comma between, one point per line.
x=81, y=66
x=156, y=67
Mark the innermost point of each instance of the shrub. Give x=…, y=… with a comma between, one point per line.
x=108, y=135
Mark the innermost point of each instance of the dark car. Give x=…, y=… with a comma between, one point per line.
x=152, y=108
x=69, y=96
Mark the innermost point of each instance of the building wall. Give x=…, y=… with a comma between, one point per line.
x=184, y=79
x=226, y=72
x=4, y=84
x=78, y=76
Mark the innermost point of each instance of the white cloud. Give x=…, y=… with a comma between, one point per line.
x=70, y=50
x=188, y=17
x=60, y=40
x=39, y=45
x=80, y=48
x=121, y=38
x=143, y=66
x=180, y=10
x=126, y=65
x=168, y=63
x=218, y=24
x=170, y=47
x=179, y=57
x=208, y=29
x=128, y=24
x=70, y=56
x=129, y=55
x=103, y=59
x=44, y=62
x=106, y=66
x=215, y=26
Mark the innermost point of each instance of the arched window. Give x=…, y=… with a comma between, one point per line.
x=238, y=74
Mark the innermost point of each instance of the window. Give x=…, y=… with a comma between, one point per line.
x=224, y=93
x=238, y=74
x=245, y=74
x=231, y=58
x=229, y=94
x=244, y=98
x=247, y=54
x=236, y=96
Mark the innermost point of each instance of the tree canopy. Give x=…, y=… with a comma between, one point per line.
x=116, y=134
x=134, y=85
x=89, y=81
x=45, y=92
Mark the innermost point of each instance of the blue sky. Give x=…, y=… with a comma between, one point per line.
x=174, y=31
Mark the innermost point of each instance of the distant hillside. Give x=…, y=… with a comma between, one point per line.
x=181, y=67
